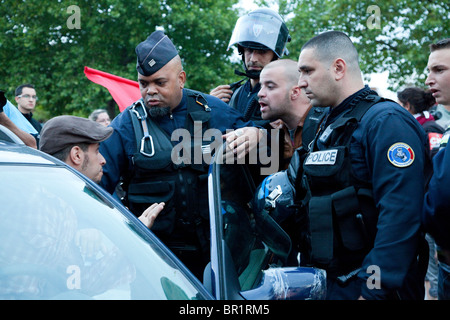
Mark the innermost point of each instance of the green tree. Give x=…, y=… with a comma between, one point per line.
x=390, y=35
x=48, y=43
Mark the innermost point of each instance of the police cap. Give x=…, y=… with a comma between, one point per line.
x=154, y=53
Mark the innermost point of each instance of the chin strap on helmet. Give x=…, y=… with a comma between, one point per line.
x=248, y=74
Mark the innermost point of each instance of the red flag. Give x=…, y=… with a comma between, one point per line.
x=123, y=91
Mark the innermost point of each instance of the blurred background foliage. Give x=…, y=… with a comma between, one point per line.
x=38, y=44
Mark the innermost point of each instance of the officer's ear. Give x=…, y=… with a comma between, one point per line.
x=339, y=68
x=182, y=78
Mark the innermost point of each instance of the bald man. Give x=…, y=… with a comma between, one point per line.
x=284, y=103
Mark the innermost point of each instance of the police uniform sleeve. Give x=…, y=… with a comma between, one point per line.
x=395, y=149
x=116, y=150
x=436, y=212
x=225, y=117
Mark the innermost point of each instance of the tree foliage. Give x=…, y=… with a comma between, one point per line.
x=390, y=35
x=41, y=43
x=38, y=45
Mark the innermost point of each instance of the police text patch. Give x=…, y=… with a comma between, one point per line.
x=326, y=157
x=401, y=155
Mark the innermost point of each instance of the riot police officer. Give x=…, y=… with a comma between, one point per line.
x=140, y=151
x=261, y=37
x=362, y=180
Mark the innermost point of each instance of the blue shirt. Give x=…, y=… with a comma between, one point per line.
x=18, y=118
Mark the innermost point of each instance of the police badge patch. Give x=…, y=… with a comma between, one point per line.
x=400, y=155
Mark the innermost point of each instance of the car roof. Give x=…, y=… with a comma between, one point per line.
x=14, y=151
x=20, y=154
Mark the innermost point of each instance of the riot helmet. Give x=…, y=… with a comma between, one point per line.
x=261, y=29
x=275, y=195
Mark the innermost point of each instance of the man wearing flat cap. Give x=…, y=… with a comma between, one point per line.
x=75, y=141
x=139, y=151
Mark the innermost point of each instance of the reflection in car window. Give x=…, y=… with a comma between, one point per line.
x=249, y=253
x=59, y=239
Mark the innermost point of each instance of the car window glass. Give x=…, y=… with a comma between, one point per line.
x=249, y=253
x=59, y=238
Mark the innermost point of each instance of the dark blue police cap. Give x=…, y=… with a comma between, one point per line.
x=154, y=53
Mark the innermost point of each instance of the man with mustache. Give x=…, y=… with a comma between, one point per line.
x=436, y=215
x=261, y=37
x=145, y=135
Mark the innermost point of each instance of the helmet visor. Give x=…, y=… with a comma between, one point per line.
x=261, y=29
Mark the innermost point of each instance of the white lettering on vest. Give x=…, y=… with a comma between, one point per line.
x=326, y=157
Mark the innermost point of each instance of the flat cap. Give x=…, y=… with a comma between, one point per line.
x=154, y=53
x=63, y=131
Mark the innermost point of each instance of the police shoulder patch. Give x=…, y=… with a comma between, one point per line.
x=400, y=155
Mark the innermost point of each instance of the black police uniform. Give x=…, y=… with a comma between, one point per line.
x=362, y=183
x=245, y=100
x=144, y=159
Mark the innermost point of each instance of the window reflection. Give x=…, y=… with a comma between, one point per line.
x=60, y=239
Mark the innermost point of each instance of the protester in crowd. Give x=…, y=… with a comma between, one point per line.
x=100, y=116
x=5, y=121
x=285, y=104
x=75, y=141
x=26, y=99
x=436, y=217
x=418, y=101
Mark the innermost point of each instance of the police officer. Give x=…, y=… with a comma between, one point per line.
x=145, y=135
x=436, y=215
x=362, y=180
x=261, y=37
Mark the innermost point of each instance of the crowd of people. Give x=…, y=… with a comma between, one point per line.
x=367, y=175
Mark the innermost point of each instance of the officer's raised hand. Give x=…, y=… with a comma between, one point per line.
x=222, y=92
x=239, y=142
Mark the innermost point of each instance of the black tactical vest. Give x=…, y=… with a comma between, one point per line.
x=182, y=186
x=341, y=211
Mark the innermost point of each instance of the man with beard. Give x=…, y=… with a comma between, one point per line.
x=140, y=151
x=75, y=141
